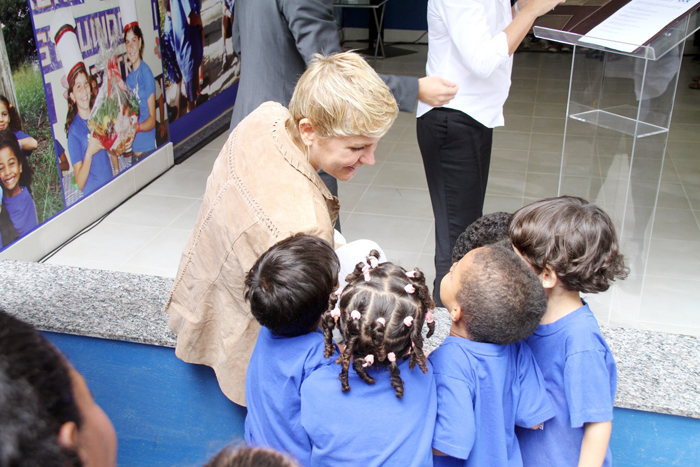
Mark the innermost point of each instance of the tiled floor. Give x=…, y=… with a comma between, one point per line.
x=389, y=202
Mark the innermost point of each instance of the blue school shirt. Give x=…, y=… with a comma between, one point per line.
x=581, y=378
x=22, y=211
x=484, y=391
x=187, y=39
x=21, y=135
x=369, y=425
x=100, y=168
x=276, y=370
x=141, y=81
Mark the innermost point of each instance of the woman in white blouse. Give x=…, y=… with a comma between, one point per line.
x=471, y=43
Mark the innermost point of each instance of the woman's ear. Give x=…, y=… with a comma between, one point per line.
x=548, y=278
x=68, y=435
x=307, y=132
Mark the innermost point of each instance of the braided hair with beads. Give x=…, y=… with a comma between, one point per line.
x=381, y=312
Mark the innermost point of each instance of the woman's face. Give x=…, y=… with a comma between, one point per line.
x=96, y=440
x=4, y=116
x=133, y=47
x=10, y=170
x=340, y=156
x=81, y=92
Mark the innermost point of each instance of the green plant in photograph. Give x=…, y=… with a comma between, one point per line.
x=31, y=101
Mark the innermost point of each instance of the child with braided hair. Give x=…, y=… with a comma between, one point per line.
x=381, y=314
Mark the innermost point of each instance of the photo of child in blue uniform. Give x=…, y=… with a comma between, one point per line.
x=10, y=119
x=141, y=81
x=16, y=179
x=89, y=158
x=189, y=44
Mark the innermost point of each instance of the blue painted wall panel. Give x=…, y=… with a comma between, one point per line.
x=166, y=412
x=643, y=439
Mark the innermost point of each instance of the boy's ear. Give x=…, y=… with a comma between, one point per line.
x=68, y=435
x=548, y=278
x=456, y=314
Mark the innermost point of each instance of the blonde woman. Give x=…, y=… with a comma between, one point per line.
x=264, y=187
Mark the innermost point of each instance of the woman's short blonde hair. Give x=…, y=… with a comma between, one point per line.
x=343, y=96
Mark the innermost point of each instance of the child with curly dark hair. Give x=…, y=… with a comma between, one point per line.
x=289, y=288
x=16, y=176
x=486, y=230
x=572, y=246
x=487, y=379
x=381, y=314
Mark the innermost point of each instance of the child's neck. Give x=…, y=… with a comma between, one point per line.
x=560, y=303
x=459, y=329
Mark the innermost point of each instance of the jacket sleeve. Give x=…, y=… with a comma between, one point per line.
x=313, y=26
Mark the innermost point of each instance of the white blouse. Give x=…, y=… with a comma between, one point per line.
x=467, y=45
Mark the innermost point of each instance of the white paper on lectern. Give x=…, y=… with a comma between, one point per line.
x=636, y=23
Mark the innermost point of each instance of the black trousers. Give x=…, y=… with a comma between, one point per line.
x=456, y=151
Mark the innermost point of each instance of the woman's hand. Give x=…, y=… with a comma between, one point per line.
x=436, y=91
x=540, y=7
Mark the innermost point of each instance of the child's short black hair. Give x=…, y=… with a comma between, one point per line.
x=572, y=236
x=382, y=311
x=501, y=298
x=486, y=230
x=290, y=285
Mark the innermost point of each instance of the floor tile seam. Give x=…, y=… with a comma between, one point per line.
x=160, y=231
x=424, y=190
x=364, y=192
x=182, y=213
x=675, y=278
x=380, y=165
x=387, y=216
x=685, y=192
x=174, y=196
x=410, y=163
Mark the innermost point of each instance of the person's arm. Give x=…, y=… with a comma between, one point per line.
x=530, y=10
x=28, y=143
x=468, y=28
x=436, y=91
x=82, y=168
x=594, y=446
x=312, y=25
x=150, y=122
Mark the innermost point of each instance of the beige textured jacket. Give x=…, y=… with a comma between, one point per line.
x=261, y=190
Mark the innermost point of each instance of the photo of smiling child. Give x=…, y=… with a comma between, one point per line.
x=9, y=119
x=29, y=173
x=16, y=179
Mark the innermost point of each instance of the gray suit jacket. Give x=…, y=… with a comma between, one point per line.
x=275, y=39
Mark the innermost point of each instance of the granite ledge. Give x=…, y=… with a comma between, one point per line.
x=657, y=372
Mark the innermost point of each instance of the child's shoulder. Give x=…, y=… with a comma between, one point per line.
x=457, y=357
x=578, y=332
